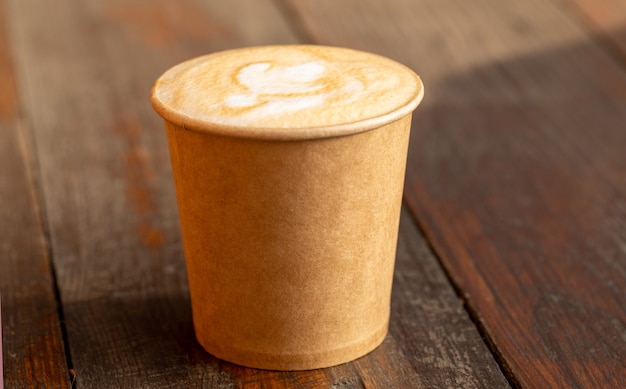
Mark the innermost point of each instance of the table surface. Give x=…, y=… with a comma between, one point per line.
x=511, y=264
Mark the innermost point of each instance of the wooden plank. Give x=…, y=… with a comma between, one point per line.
x=429, y=324
x=516, y=172
x=32, y=344
x=86, y=68
x=608, y=19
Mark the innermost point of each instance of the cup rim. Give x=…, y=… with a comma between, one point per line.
x=282, y=133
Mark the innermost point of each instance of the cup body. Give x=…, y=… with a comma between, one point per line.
x=290, y=244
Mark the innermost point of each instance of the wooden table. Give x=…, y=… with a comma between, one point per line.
x=511, y=265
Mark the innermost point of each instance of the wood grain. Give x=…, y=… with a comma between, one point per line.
x=32, y=344
x=516, y=172
x=429, y=325
x=85, y=69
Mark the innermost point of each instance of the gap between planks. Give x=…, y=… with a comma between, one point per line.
x=471, y=312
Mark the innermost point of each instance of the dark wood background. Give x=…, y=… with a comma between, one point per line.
x=511, y=266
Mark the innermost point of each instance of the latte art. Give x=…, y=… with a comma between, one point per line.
x=287, y=88
x=274, y=89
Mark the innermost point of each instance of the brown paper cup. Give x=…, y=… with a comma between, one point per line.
x=289, y=236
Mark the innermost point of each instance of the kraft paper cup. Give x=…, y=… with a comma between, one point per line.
x=289, y=166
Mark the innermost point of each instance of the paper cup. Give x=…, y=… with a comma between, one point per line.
x=289, y=202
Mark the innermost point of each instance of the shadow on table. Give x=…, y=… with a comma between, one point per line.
x=517, y=174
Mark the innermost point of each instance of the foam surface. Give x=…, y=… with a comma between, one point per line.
x=286, y=87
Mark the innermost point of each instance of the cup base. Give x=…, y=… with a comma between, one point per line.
x=308, y=361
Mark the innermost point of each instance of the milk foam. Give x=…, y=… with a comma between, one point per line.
x=275, y=89
x=287, y=87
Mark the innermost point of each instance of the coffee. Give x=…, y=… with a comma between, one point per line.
x=288, y=87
